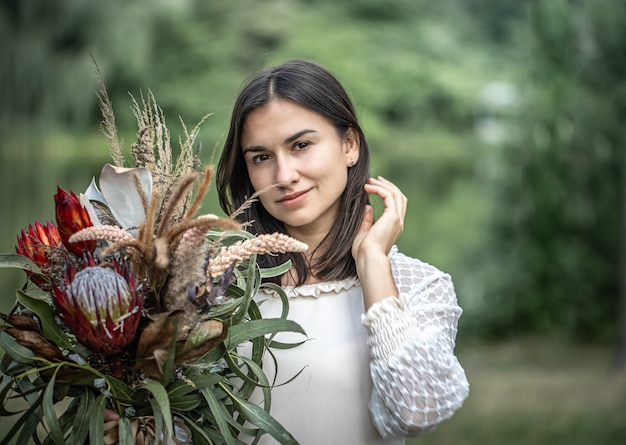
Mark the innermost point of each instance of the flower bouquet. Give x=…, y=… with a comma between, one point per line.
x=137, y=305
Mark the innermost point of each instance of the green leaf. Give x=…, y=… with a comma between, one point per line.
x=281, y=345
x=29, y=430
x=224, y=308
x=220, y=414
x=162, y=401
x=283, y=297
x=243, y=332
x=80, y=426
x=50, y=416
x=45, y=312
x=270, y=272
x=121, y=392
x=125, y=433
x=96, y=421
x=251, y=286
x=32, y=414
x=15, y=261
x=17, y=352
x=186, y=403
x=261, y=418
x=202, y=436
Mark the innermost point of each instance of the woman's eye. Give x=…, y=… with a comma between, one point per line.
x=260, y=158
x=301, y=145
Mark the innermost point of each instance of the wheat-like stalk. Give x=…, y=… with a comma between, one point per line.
x=104, y=232
x=242, y=250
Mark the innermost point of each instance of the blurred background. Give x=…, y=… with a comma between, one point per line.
x=503, y=122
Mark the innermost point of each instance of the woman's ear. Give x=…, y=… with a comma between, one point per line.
x=352, y=145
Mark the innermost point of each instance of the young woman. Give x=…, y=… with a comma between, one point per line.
x=379, y=364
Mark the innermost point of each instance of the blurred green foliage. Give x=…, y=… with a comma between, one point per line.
x=501, y=121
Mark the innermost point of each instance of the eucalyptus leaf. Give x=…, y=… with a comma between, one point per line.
x=259, y=380
x=125, y=432
x=185, y=403
x=261, y=418
x=220, y=414
x=45, y=312
x=16, y=351
x=15, y=261
x=29, y=428
x=241, y=333
x=96, y=420
x=6, y=386
x=158, y=417
x=280, y=345
x=162, y=402
x=121, y=392
x=80, y=426
x=32, y=414
x=270, y=272
x=49, y=414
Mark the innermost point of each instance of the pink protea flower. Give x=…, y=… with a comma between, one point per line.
x=72, y=217
x=34, y=244
x=101, y=306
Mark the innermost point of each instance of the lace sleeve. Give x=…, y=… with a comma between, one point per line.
x=417, y=380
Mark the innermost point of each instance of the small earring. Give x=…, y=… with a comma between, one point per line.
x=351, y=162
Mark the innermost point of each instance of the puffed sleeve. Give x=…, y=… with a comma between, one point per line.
x=417, y=380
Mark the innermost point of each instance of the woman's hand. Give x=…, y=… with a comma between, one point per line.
x=375, y=239
x=111, y=426
x=381, y=235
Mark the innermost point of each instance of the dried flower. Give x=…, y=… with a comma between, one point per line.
x=72, y=217
x=34, y=244
x=101, y=306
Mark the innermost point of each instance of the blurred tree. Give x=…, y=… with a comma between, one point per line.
x=556, y=237
x=46, y=75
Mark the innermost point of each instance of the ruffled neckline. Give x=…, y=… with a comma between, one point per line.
x=317, y=289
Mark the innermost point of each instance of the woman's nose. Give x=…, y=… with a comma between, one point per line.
x=286, y=170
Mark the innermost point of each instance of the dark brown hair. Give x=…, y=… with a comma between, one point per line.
x=311, y=86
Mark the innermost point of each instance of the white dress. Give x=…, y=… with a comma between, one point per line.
x=368, y=379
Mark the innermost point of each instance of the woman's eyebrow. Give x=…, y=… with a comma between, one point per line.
x=298, y=134
x=293, y=137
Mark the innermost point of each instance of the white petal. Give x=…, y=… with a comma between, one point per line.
x=119, y=187
x=94, y=193
x=86, y=203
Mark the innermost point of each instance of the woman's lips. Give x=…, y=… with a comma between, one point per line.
x=293, y=198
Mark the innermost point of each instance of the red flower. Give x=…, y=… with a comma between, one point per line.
x=34, y=244
x=72, y=217
x=101, y=306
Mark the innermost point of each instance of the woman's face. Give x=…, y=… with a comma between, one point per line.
x=286, y=144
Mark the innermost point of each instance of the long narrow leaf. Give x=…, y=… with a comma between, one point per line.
x=6, y=386
x=80, y=427
x=44, y=311
x=96, y=421
x=121, y=392
x=261, y=418
x=283, y=297
x=50, y=416
x=29, y=430
x=241, y=333
x=124, y=432
x=34, y=411
x=270, y=272
x=220, y=415
x=16, y=351
x=160, y=396
x=15, y=261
